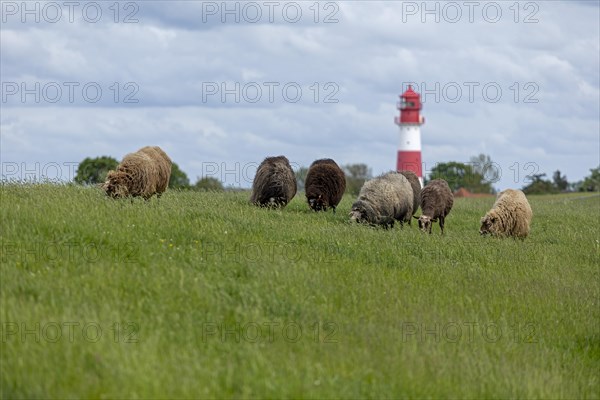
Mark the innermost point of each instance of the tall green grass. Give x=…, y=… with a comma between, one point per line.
x=202, y=295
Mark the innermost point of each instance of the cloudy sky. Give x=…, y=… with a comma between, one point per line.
x=220, y=86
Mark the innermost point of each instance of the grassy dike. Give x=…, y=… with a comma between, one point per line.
x=202, y=295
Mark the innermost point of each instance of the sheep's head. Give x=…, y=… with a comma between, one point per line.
x=317, y=203
x=362, y=212
x=425, y=222
x=356, y=214
x=116, y=185
x=489, y=224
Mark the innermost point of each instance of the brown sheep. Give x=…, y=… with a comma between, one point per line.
x=510, y=215
x=436, y=202
x=274, y=184
x=143, y=173
x=416, y=187
x=325, y=185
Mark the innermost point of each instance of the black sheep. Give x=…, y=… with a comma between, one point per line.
x=274, y=184
x=325, y=185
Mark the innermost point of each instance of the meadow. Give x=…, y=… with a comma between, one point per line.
x=200, y=295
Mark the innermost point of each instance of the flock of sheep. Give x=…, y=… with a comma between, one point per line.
x=391, y=197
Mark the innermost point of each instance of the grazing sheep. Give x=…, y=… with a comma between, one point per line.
x=416, y=187
x=510, y=215
x=143, y=173
x=274, y=184
x=436, y=203
x=383, y=200
x=325, y=185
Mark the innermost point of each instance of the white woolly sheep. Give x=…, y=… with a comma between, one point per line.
x=383, y=200
x=510, y=215
x=436, y=203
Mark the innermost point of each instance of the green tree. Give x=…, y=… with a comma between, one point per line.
x=93, y=170
x=208, y=184
x=179, y=179
x=591, y=183
x=459, y=175
x=560, y=181
x=484, y=166
x=540, y=186
x=356, y=175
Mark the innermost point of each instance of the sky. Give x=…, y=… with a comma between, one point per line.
x=222, y=85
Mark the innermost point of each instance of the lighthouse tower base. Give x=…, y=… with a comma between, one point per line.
x=411, y=161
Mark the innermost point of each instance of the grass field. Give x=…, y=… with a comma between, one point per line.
x=200, y=295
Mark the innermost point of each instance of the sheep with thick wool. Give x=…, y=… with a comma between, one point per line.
x=274, y=184
x=416, y=187
x=436, y=202
x=510, y=215
x=383, y=200
x=325, y=185
x=143, y=173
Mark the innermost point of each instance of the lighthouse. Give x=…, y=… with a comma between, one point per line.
x=410, y=121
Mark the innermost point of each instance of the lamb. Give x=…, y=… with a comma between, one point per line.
x=383, y=200
x=416, y=187
x=436, y=202
x=143, y=173
x=510, y=216
x=274, y=184
x=325, y=185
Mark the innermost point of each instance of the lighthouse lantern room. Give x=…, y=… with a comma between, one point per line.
x=410, y=121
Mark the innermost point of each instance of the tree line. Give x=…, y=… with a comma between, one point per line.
x=476, y=176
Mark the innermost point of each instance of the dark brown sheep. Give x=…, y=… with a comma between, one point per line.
x=274, y=184
x=143, y=173
x=413, y=179
x=436, y=202
x=325, y=185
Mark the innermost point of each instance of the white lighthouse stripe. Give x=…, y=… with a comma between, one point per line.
x=410, y=138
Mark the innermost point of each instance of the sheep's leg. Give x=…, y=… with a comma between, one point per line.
x=442, y=224
x=333, y=209
x=386, y=222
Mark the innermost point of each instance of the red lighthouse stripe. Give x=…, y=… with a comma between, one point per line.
x=410, y=160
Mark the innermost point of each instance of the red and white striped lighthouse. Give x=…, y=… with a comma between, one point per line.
x=410, y=121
